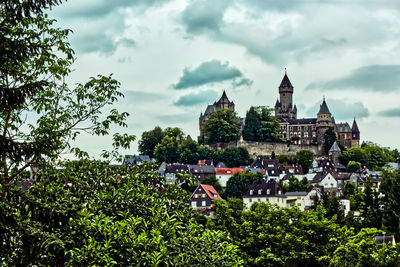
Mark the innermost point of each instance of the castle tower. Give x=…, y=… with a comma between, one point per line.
x=284, y=106
x=355, y=135
x=324, y=121
x=224, y=103
x=334, y=153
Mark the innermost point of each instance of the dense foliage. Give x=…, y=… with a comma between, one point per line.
x=238, y=184
x=39, y=113
x=329, y=139
x=272, y=236
x=222, y=126
x=150, y=139
x=261, y=126
x=369, y=155
x=87, y=213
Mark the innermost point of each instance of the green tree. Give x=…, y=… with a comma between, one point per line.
x=353, y=166
x=39, y=113
x=261, y=126
x=333, y=207
x=88, y=213
x=168, y=150
x=189, y=152
x=304, y=158
x=152, y=138
x=329, y=139
x=238, y=184
x=356, y=154
x=372, y=213
x=252, y=126
x=362, y=250
x=222, y=126
x=234, y=156
x=149, y=140
x=376, y=156
x=390, y=188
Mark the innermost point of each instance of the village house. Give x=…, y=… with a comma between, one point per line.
x=203, y=196
x=223, y=174
x=264, y=191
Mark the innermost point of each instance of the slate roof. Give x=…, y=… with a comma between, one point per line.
x=303, y=193
x=136, y=159
x=300, y=121
x=257, y=164
x=220, y=165
x=209, y=110
x=176, y=168
x=262, y=184
x=286, y=82
x=354, y=128
x=343, y=127
x=223, y=99
x=267, y=162
x=296, y=168
x=207, y=169
x=342, y=176
x=319, y=177
x=323, y=109
x=277, y=104
x=335, y=148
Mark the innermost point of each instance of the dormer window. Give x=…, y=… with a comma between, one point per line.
x=259, y=191
x=251, y=192
x=268, y=191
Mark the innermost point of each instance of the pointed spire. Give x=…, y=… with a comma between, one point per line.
x=285, y=81
x=354, y=128
x=224, y=95
x=323, y=109
x=295, y=108
x=277, y=104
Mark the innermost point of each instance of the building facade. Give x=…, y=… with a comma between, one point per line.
x=304, y=131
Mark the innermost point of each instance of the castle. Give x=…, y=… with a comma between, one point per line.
x=299, y=131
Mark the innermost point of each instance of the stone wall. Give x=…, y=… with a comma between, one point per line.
x=266, y=149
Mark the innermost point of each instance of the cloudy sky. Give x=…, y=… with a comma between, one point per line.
x=173, y=57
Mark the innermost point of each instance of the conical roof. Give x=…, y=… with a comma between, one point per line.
x=354, y=128
x=277, y=104
x=223, y=99
x=335, y=148
x=286, y=82
x=323, y=109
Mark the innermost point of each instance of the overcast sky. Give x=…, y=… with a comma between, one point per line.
x=173, y=57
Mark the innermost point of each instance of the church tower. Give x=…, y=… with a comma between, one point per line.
x=284, y=106
x=324, y=121
x=355, y=135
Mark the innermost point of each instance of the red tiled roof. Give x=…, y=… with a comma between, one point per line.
x=224, y=171
x=210, y=191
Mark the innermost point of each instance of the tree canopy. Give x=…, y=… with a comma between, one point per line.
x=222, y=126
x=39, y=113
x=329, y=139
x=261, y=126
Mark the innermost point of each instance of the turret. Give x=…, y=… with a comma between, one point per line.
x=355, y=134
x=284, y=106
x=286, y=93
x=324, y=121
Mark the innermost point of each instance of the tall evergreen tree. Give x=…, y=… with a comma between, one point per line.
x=329, y=139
